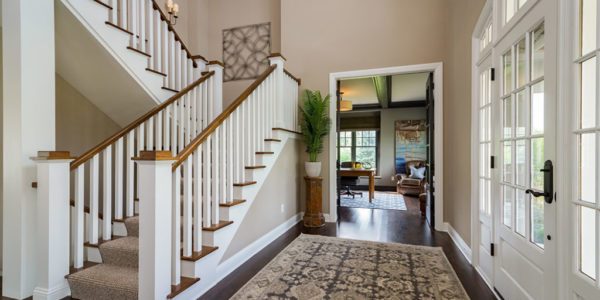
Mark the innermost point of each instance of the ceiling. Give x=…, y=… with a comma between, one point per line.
x=404, y=88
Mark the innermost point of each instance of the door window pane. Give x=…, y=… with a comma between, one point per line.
x=587, y=241
x=509, y=194
x=521, y=63
x=537, y=52
x=520, y=209
x=588, y=26
x=588, y=93
x=537, y=221
x=483, y=150
x=507, y=72
x=507, y=118
x=587, y=167
x=537, y=108
x=507, y=161
x=537, y=163
x=521, y=111
x=521, y=161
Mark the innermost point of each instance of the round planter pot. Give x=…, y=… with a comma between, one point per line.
x=313, y=169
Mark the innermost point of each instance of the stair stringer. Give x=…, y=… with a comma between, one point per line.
x=210, y=269
x=93, y=16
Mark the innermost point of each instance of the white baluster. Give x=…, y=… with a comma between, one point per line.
x=197, y=232
x=165, y=62
x=133, y=21
x=175, y=228
x=188, y=111
x=149, y=13
x=223, y=162
x=107, y=194
x=216, y=155
x=187, y=207
x=119, y=179
x=172, y=76
x=174, y=127
x=130, y=166
x=141, y=25
x=193, y=110
x=229, y=151
x=166, y=128
x=198, y=119
x=94, y=189
x=211, y=99
x=140, y=147
x=182, y=70
x=182, y=123
x=206, y=179
x=159, y=131
x=205, y=86
x=112, y=13
x=247, y=132
x=159, y=42
x=150, y=134
x=78, y=226
x=123, y=17
x=177, y=65
x=236, y=145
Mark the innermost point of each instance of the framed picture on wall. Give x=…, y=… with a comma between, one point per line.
x=410, y=142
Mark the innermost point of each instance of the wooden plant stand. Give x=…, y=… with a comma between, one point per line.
x=313, y=217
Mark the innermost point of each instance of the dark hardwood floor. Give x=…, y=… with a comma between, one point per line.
x=364, y=224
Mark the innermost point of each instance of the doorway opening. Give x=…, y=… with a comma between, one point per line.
x=385, y=152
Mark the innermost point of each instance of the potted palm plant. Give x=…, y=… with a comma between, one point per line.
x=315, y=126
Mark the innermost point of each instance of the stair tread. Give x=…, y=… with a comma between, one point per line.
x=265, y=152
x=184, y=284
x=255, y=167
x=126, y=243
x=244, y=183
x=133, y=226
x=215, y=227
x=101, y=241
x=121, y=252
x=104, y=281
x=272, y=140
x=234, y=203
x=206, y=250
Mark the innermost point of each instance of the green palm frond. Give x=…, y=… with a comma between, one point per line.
x=315, y=122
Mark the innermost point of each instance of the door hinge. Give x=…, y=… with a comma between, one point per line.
x=492, y=162
x=493, y=74
x=492, y=249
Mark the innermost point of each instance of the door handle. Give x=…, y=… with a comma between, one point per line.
x=548, y=183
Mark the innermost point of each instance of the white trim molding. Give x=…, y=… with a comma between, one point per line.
x=459, y=242
x=438, y=74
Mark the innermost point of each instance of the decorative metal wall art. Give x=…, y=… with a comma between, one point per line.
x=245, y=51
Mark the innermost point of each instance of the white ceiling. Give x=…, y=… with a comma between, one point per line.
x=405, y=87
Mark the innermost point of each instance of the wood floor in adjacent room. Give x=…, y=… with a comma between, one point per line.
x=365, y=224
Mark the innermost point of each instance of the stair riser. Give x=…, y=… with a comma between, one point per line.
x=119, y=257
x=251, y=174
x=232, y=212
x=216, y=238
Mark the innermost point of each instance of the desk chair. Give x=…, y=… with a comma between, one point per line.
x=348, y=181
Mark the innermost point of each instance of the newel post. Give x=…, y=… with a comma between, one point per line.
x=278, y=59
x=53, y=215
x=154, y=169
x=217, y=105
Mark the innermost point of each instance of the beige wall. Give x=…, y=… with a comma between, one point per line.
x=345, y=35
x=80, y=125
x=282, y=187
x=457, y=116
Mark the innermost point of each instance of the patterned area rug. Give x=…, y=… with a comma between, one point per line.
x=319, y=267
x=381, y=201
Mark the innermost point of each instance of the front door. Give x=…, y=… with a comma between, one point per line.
x=524, y=114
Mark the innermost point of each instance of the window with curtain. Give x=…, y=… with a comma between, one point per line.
x=360, y=146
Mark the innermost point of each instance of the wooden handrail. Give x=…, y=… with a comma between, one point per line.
x=177, y=38
x=298, y=80
x=196, y=142
x=109, y=141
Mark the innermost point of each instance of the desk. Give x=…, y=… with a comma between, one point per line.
x=362, y=172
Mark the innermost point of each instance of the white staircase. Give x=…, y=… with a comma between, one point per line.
x=211, y=162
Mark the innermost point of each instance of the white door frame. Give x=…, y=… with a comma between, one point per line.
x=437, y=69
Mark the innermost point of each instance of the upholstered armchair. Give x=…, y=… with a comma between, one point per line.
x=411, y=186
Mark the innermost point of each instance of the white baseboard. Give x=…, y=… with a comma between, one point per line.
x=458, y=241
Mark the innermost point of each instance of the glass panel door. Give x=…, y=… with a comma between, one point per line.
x=523, y=263
x=585, y=202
